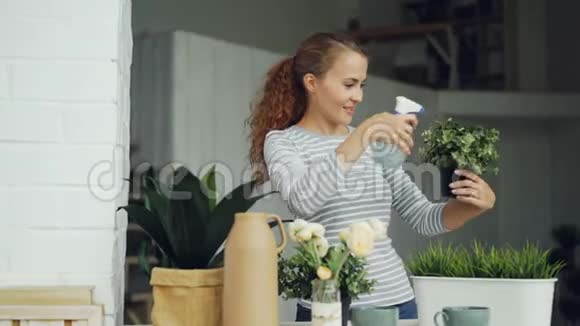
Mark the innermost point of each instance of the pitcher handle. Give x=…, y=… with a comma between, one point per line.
x=282, y=233
x=443, y=315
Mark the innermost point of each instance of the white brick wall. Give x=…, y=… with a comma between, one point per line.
x=58, y=251
x=64, y=144
x=58, y=38
x=48, y=164
x=83, y=10
x=92, y=126
x=54, y=80
x=67, y=208
x=29, y=125
x=72, y=123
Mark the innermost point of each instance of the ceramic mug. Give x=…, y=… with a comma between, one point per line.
x=463, y=315
x=374, y=316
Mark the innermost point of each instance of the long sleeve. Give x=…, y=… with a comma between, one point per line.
x=305, y=188
x=413, y=206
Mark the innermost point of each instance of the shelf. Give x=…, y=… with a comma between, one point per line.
x=398, y=32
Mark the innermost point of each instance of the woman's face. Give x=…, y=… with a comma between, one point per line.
x=336, y=94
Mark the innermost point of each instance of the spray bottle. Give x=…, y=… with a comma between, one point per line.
x=390, y=155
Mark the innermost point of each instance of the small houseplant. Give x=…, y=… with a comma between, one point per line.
x=450, y=145
x=329, y=275
x=517, y=284
x=181, y=214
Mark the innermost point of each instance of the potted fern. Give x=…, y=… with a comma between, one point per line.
x=450, y=145
x=517, y=284
x=181, y=214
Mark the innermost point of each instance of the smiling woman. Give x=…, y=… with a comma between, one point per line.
x=336, y=94
x=311, y=78
x=302, y=141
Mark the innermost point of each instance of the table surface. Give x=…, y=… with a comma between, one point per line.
x=413, y=322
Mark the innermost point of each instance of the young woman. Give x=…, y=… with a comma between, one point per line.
x=301, y=139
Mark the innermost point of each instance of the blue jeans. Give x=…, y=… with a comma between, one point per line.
x=407, y=310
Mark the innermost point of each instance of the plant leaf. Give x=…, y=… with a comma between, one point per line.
x=154, y=200
x=190, y=189
x=484, y=262
x=217, y=260
x=142, y=259
x=188, y=214
x=187, y=233
x=449, y=144
x=210, y=183
x=150, y=223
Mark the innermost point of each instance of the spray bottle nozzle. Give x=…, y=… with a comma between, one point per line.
x=406, y=106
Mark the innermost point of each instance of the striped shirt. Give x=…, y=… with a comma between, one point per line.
x=302, y=166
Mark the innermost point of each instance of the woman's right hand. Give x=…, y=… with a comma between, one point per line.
x=396, y=129
x=385, y=127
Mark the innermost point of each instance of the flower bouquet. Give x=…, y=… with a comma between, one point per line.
x=329, y=276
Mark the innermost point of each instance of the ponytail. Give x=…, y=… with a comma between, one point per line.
x=281, y=105
x=283, y=100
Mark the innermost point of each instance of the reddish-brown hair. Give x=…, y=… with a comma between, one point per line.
x=283, y=100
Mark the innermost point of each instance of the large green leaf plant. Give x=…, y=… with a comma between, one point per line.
x=183, y=218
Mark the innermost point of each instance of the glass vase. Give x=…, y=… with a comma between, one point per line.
x=326, y=306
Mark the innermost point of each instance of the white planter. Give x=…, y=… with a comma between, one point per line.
x=513, y=302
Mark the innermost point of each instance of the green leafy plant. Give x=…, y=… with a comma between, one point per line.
x=183, y=218
x=295, y=277
x=344, y=262
x=481, y=261
x=448, y=144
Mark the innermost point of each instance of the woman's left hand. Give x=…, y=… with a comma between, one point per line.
x=473, y=190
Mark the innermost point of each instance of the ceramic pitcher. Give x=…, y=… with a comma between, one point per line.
x=250, y=296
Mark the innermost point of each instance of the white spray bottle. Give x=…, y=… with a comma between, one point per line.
x=390, y=155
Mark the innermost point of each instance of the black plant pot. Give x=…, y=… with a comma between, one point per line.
x=345, y=303
x=447, y=176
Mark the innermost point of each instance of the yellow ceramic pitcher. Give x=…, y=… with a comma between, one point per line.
x=250, y=296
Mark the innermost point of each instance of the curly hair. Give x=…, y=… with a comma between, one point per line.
x=283, y=99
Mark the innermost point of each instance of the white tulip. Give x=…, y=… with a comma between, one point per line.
x=321, y=245
x=304, y=235
x=317, y=229
x=344, y=235
x=295, y=227
x=361, y=240
x=379, y=227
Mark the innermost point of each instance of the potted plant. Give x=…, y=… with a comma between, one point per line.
x=328, y=276
x=450, y=145
x=517, y=285
x=188, y=226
